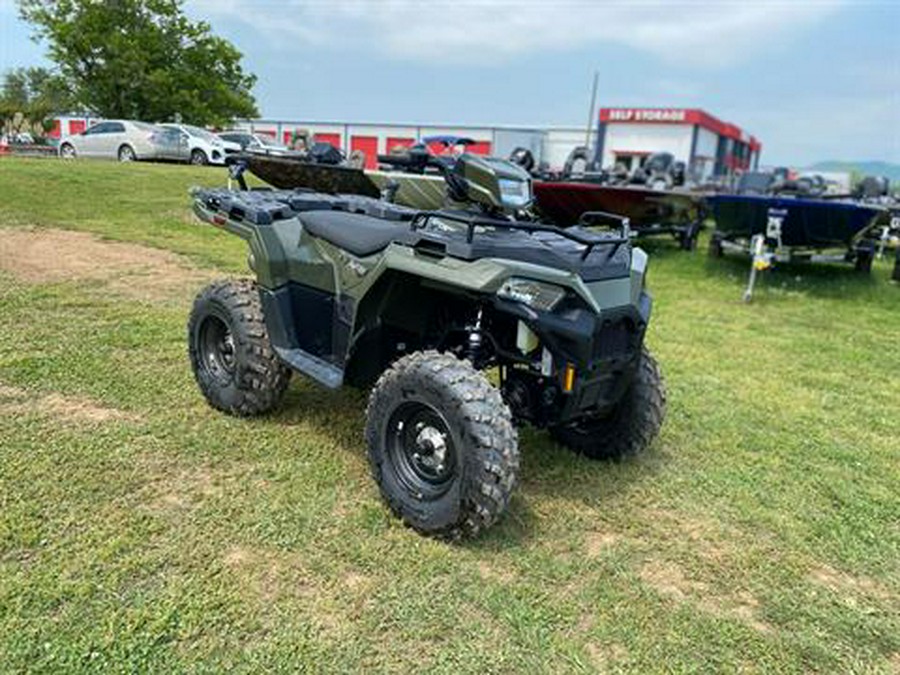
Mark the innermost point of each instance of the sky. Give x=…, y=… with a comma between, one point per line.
x=812, y=79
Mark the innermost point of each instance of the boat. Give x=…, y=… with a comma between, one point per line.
x=650, y=212
x=773, y=221
x=297, y=170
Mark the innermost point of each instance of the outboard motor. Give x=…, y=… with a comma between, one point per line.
x=524, y=158
x=872, y=187
x=325, y=153
x=577, y=163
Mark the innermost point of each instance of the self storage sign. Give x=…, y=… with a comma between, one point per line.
x=646, y=115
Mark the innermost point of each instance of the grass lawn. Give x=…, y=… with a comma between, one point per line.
x=142, y=531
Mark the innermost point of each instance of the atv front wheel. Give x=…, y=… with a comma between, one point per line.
x=233, y=362
x=442, y=446
x=631, y=426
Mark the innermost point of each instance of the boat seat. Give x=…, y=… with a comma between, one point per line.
x=359, y=234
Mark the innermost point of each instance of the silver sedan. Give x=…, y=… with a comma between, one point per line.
x=127, y=141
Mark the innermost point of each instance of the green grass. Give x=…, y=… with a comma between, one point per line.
x=761, y=533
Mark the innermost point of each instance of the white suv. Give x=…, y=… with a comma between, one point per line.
x=205, y=147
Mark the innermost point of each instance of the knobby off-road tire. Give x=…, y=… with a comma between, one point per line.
x=233, y=361
x=632, y=425
x=442, y=446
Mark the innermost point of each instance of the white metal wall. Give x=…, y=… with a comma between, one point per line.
x=707, y=142
x=558, y=143
x=646, y=138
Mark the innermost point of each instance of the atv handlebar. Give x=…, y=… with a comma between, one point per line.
x=471, y=222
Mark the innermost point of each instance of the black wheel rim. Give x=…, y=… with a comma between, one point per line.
x=421, y=449
x=217, y=351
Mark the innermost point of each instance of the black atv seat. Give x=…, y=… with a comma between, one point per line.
x=354, y=232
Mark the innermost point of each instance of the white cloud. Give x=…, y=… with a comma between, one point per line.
x=700, y=32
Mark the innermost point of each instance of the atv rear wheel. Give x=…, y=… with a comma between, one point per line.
x=442, y=446
x=233, y=362
x=631, y=426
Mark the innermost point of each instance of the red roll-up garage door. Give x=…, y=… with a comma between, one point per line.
x=480, y=148
x=399, y=143
x=76, y=126
x=334, y=139
x=368, y=145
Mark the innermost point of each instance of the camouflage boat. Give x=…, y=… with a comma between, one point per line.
x=288, y=172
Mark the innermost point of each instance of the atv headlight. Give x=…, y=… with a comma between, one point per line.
x=515, y=193
x=535, y=294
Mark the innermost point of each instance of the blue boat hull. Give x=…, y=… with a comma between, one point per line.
x=803, y=223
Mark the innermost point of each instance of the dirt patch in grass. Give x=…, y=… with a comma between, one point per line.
x=491, y=571
x=599, y=543
x=184, y=490
x=846, y=584
x=669, y=580
x=606, y=656
x=268, y=577
x=74, y=409
x=139, y=272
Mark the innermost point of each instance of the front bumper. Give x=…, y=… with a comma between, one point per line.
x=602, y=351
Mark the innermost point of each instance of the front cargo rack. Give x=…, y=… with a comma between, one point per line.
x=587, y=240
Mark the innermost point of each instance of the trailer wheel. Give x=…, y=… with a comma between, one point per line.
x=442, y=446
x=687, y=240
x=631, y=426
x=233, y=361
x=715, y=247
x=864, y=257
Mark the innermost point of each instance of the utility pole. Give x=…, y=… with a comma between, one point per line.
x=590, y=124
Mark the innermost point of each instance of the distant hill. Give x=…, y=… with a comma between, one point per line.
x=892, y=171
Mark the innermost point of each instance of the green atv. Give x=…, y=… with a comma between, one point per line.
x=419, y=306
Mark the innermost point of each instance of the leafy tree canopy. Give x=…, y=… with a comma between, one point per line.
x=143, y=59
x=32, y=95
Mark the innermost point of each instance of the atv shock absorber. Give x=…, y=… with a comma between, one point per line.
x=475, y=341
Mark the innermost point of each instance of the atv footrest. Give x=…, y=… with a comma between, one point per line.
x=322, y=372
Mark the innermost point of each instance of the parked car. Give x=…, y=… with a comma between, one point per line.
x=257, y=142
x=204, y=147
x=127, y=140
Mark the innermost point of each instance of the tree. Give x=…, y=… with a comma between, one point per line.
x=32, y=95
x=143, y=59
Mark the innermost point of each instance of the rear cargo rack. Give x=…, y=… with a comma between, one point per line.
x=421, y=219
